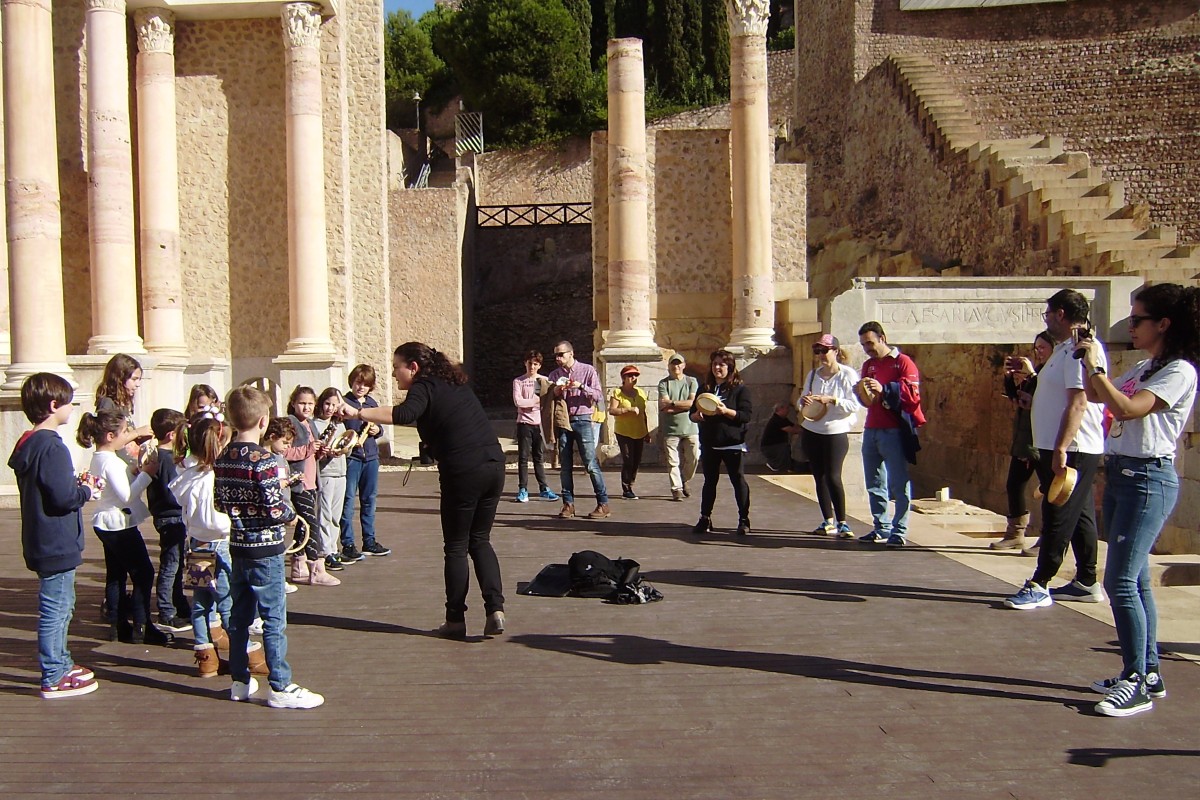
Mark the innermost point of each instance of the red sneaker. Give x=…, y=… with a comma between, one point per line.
x=69, y=686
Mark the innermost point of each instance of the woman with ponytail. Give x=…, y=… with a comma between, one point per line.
x=1151, y=403
x=452, y=422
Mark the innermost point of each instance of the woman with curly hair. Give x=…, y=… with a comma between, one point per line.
x=470, y=463
x=1151, y=404
x=723, y=439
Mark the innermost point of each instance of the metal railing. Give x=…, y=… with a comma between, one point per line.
x=538, y=214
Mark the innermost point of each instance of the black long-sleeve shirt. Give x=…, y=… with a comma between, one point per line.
x=451, y=422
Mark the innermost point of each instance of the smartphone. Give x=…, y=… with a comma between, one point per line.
x=1082, y=335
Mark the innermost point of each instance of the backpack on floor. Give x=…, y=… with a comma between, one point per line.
x=595, y=575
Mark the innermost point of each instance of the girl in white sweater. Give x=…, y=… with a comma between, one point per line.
x=120, y=511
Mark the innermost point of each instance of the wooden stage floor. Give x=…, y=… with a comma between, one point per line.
x=780, y=666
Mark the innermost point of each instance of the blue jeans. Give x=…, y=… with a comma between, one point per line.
x=886, y=470
x=172, y=543
x=56, y=604
x=583, y=436
x=206, y=601
x=362, y=479
x=1139, y=495
x=257, y=585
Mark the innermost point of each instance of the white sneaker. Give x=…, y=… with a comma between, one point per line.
x=294, y=697
x=288, y=588
x=243, y=691
x=256, y=627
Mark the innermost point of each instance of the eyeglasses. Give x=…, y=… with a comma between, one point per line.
x=1138, y=319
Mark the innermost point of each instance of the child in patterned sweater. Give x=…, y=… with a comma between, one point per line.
x=247, y=488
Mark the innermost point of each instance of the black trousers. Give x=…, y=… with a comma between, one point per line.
x=631, y=459
x=308, y=507
x=1072, y=523
x=826, y=452
x=125, y=555
x=711, y=462
x=530, y=445
x=469, y=501
x=1020, y=470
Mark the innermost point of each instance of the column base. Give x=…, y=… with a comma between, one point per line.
x=653, y=368
x=15, y=374
x=315, y=371
x=634, y=341
x=310, y=348
x=111, y=345
x=171, y=351
x=752, y=339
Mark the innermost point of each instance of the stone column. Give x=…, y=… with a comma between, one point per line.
x=158, y=183
x=37, y=331
x=110, y=183
x=5, y=351
x=628, y=230
x=308, y=274
x=753, y=292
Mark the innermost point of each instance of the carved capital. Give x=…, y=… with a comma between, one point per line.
x=107, y=5
x=155, y=28
x=748, y=17
x=301, y=25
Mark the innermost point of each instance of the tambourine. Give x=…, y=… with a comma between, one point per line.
x=1062, y=486
x=86, y=478
x=708, y=403
x=146, y=452
x=864, y=394
x=345, y=441
x=563, y=381
x=300, y=538
x=814, y=411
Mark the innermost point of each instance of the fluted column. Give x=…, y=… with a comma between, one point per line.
x=158, y=183
x=753, y=289
x=628, y=230
x=39, y=341
x=110, y=183
x=308, y=273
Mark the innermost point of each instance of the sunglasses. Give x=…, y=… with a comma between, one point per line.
x=1138, y=319
x=820, y=351
x=630, y=375
x=563, y=353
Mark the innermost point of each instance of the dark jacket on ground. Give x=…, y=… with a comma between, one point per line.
x=159, y=497
x=722, y=431
x=51, y=499
x=452, y=422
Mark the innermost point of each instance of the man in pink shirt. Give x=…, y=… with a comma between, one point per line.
x=889, y=437
x=528, y=390
x=578, y=386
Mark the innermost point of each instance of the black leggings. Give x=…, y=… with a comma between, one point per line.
x=826, y=452
x=1073, y=523
x=1020, y=470
x=125, y=555
x=631, y=459
x=711, y=461
x=469, y=501
x=308, y=507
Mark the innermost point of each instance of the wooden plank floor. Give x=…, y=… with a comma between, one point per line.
x=782, y=666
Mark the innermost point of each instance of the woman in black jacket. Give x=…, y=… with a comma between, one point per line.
x=723, y=439
x=470, y=463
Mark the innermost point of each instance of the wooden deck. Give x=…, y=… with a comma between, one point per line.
x=782, y=666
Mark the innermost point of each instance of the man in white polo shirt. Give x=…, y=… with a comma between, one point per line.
x=1068, y=431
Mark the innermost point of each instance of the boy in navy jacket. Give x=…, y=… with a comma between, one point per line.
x=52, y=527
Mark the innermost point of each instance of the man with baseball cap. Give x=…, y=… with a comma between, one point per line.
x=676, y=393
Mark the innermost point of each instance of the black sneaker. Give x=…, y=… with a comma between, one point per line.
x=1127, y=698
x=148, y=634
x=333, y=564
x=1155, y=688
x=703, y=526
x=174, y=624
x=352, y=553
x=376, y=549
x=743, y=528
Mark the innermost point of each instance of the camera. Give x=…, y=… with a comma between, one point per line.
x=1084, y=334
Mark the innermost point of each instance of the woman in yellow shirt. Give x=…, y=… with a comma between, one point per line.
x=627, y=406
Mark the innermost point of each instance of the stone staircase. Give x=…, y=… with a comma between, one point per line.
x=1063, y=203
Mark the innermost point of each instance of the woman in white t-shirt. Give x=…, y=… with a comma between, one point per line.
x=1150, y=403
x=826, y=441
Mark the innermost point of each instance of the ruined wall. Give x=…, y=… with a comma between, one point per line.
x=560, y=172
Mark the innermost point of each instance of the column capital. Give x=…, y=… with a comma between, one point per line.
x=748, y=17
x=155, y=28
x=301, y=25
x=106, y=5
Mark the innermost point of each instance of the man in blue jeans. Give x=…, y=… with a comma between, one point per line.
x=893, y=379
x=577, y=387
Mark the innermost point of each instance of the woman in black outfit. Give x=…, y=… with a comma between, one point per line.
x=470, y=464
x=723, y=439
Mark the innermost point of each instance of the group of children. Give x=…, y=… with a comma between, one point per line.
x=222, y=486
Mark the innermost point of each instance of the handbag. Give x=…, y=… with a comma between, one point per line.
x=199, y=570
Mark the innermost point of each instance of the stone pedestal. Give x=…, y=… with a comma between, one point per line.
x=768, y=375
x=158, y=184
x=38, y=338
x=308, y=371
x=653, y=369
x=751, y=140
x=110, y=183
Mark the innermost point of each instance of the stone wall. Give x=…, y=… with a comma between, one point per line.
x=1117, y=79
x=560, y=172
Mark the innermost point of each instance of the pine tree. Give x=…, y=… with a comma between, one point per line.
x=715, y=35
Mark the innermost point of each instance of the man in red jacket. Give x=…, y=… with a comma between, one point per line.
x=889, y=441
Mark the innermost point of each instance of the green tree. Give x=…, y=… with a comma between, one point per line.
x=523, y=63
x=714, y=31
x=410, y=66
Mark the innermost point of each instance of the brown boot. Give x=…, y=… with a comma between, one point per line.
x=317, y=576
x=1014, y=534
x=1032, y=550
x=568, y=511
x=300, y=570
x=601, y=512
x=208, y=663
x=220, y=639
x=258, y=660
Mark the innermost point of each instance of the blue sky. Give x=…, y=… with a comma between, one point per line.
x=417, y=7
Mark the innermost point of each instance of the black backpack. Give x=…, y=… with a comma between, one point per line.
x=595, y=575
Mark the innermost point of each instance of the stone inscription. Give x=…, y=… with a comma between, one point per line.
x=962, y=315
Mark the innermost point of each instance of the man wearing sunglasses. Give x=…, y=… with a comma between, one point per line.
x=578, y=385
